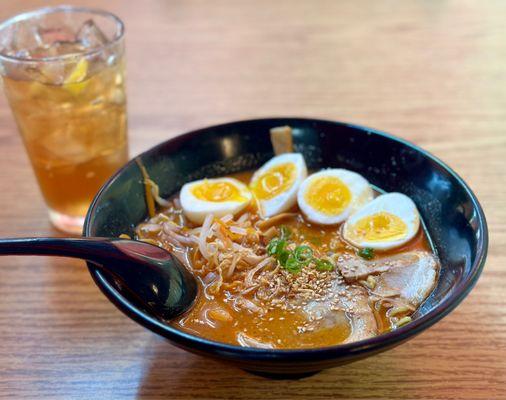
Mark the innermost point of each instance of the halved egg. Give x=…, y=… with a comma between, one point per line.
x=276, y=183
x=328, y=197
x=219, y=197
x=389, y=221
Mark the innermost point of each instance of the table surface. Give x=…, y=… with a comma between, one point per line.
x=432, y=72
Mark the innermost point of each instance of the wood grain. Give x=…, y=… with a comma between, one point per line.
x=432, y=72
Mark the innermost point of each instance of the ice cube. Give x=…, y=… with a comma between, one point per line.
x=69, y=145
x=48, y=36
x=91, y=36
x=26, y=38
x=63, y=47
x=52, y=72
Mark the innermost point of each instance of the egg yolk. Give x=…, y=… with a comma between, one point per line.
x=274, y=181
x=217, y=192
x=380, y=227
x=328, y=195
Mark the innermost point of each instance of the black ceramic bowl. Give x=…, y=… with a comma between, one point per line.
x=452, y=215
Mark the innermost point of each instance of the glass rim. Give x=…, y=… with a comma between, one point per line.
x=120, y=31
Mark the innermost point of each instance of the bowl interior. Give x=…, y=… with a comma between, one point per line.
x=453, y=218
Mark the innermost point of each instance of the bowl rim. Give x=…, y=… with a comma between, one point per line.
x=377, y=343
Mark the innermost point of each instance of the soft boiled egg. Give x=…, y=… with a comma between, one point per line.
x=219, y=197
x=328, y=197
x=276, y=183
x=389, y=221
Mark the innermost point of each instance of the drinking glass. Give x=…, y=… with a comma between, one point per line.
x=62, y=70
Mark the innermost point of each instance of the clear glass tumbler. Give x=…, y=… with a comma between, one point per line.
x=62, y=70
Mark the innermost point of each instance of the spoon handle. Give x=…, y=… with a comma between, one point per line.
x=92, y=249
x=124, y=258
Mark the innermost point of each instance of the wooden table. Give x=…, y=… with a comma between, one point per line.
x=432, y=72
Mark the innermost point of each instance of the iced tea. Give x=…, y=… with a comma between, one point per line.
x=75, y=134
x=71, y=114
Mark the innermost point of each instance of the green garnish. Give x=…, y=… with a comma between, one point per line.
x=283, y=257
x=303, y=254
x=292, y=265
x=276, y=248
x=275, y=245
x=272, y=247
x=294, y=260
x=366, y=253
x=323, y=264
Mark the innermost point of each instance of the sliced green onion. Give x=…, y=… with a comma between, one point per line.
x=273, y=246
x=282, y=257
x=323, y=264
x=294, y=261
x=366, y=253
x=292, y=265
x=276, y=249
x=303, y=254
x=276, y=246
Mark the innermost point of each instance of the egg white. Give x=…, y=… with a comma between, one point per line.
x=196, y=209
x=288, y=198
x=361, y=193
x=397, y=204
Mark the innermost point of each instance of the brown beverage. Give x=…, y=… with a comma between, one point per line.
x=70, y=106
x=75, y=134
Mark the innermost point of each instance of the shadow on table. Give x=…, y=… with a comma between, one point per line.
x=176, y=374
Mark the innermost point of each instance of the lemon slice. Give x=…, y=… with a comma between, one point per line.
x=75, y=83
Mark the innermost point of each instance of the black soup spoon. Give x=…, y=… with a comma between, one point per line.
x=149, y=273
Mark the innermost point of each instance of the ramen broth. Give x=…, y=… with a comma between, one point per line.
x=247, y=316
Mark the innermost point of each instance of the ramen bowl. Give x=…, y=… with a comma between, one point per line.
x=452, y=215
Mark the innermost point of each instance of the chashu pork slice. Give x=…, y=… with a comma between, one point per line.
x=345, y=302
x=410, y=276
x=411, y=280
